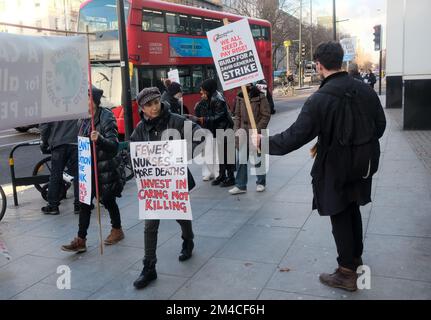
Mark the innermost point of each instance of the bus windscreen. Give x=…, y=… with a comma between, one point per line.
x=100, y=16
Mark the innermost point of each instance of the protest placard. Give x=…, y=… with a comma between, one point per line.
x=160, y=168
x=349, y=48
x=42, y=79
x=235, y=55
x=84, y=170
x=174, y=76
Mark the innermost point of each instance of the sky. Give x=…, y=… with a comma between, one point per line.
x=362, y=15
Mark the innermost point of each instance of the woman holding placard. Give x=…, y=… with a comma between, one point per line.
x=111, y=175
x=156, y=118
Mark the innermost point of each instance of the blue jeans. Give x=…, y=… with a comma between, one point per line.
x=242, y=177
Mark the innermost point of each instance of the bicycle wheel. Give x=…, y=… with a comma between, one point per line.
x=3, y=203
x=43, y=167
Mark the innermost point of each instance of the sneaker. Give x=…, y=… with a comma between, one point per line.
x=77, y=245
x=236, y=190
x=49, y=209
x=228, y=182
x=260, y=188
x=208, y=178
x=76, y=208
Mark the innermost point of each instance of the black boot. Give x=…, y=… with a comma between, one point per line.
x=186, y=252
x=218, y=180
x=148, y=274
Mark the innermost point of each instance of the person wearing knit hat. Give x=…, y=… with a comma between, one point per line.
x=218, y=117
x=111, y=177
x=156, y=118
x=173, y=96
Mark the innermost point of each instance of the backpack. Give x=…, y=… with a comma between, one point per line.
x=352, y=150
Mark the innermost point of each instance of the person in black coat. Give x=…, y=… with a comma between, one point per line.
x=156, y=118
x=341, y=203
x=218, y=117
x=354, y=72
x=111, y=176
x=173, y=97
x=371, y=78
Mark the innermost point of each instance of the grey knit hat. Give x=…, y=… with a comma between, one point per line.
x=147, y=95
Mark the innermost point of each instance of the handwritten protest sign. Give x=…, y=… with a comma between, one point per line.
x=42, y=79
x=160, y=168
x=235, y=55
x=84, y=170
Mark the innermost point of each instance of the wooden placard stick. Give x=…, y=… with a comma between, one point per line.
x=96, y=180
x=246, y=98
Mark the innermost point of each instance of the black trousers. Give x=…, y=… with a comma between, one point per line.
x=85, y=214
x=347, y=232
x=62, y=156
x=225, y=169
x=151, y=231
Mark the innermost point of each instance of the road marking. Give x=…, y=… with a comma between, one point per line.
x=8, y=190
x=13, y=135
x=15, y=143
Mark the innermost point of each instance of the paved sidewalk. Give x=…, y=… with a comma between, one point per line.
x=253, y=246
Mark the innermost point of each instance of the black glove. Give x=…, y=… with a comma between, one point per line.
x=44, y=147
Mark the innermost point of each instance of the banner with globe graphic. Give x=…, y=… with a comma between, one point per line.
x=42, y=79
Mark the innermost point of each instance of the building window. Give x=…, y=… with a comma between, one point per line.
x=39, y=25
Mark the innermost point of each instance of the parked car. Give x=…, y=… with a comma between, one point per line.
x=26, y=128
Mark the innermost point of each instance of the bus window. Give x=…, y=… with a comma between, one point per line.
x=185, y=79
x=160, y=73
x=265, y=33
x=153, y=21
x=100, y=16
x=177, y=23
x=210, y=24
x=256, y=31
x=146, y=78
x=197, y=78
x=196, y=26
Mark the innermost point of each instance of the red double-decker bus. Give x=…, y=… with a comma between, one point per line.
x=161, y=36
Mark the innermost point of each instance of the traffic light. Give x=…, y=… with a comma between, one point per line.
x=303, y=50
x=377, y=37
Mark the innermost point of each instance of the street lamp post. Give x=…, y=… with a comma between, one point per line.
x=126, y=99
x=334, y=21
x=311, y=30
x=300, y=44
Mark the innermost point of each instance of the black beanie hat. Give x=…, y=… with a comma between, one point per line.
x=174, y=88
x=97, y=94
x=209, y=85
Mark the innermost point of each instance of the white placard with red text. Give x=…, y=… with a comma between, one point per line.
x=235, y=55
x=160, y=169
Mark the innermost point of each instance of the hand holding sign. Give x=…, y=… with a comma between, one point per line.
x=94, y=136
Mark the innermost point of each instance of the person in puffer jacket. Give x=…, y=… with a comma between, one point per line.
x=156, y=118
x=111, y=176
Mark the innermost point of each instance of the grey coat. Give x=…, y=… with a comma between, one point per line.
x=58, y=133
